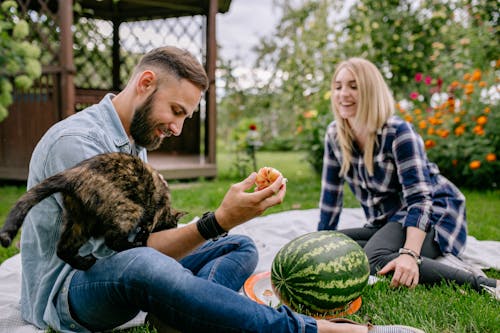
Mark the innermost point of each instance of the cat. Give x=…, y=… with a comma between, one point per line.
x=113, y=195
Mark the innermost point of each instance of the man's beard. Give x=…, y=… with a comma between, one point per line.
x=143, y=128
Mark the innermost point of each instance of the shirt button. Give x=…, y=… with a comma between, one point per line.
x=64, y=289
x=72, y=325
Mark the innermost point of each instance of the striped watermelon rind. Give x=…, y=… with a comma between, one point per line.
x=319, y=271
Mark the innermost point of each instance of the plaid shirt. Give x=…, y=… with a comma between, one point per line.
x=405, y=186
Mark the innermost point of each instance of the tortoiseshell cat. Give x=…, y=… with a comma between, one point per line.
x=113, y=195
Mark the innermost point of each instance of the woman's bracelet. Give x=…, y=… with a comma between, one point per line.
x=209, y=228
x=412, y=253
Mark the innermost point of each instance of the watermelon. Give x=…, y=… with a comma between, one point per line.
x=319, y=272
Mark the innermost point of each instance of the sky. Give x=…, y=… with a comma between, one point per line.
x=240, y=28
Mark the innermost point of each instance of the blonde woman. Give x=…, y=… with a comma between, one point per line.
x=414, y=213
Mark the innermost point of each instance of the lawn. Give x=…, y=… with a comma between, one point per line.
x=443, y=308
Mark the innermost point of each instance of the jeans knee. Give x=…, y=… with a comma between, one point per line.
x=246, y=243
x=248, y=249
x=147, y=264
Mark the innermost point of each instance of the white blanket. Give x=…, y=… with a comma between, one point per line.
x=270, y=233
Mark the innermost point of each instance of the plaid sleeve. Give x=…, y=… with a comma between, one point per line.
x=332, y=185
x=414, y=176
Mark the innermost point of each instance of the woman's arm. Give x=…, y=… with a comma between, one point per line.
x=405, y=267
x=332, y=186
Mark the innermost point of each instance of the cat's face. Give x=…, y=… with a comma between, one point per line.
x=165, y=216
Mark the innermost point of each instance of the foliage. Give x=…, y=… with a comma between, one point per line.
x=18, y=57
x=405, y=37
x=300, y=57
x=245, y=140
x=460, y=125
x=311, y=128
x=402, y=37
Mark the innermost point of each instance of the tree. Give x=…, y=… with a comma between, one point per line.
x=18, y=58
x=437, y=38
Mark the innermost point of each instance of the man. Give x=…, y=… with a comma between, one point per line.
x=180, y=278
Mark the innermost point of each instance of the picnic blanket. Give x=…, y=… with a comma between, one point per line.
x=270, y=233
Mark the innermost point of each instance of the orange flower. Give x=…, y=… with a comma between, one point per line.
x=310, y=114
x=469, y=89
x=483, y=84
x=476, y=75
x=475, y=164
x=430, y=143
x=454, y=162
x=456, y=120
x=482, y=120
x=422, y=124
x=467, y=76
x=487, y=109
x=491, y=157
x=408, y=118
x=459, y=130
x=478, y=130
x=430, y=131
x=454, y=84
x=443, y=133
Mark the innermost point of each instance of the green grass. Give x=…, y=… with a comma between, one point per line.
x=443, y=308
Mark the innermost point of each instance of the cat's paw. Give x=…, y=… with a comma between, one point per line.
x=81, y=263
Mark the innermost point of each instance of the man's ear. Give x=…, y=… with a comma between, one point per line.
x=146, y=82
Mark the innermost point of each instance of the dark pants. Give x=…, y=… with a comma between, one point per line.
x=382, y=244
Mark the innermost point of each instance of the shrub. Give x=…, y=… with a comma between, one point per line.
x=460, y=124
x=311, y=129
x=18, y=57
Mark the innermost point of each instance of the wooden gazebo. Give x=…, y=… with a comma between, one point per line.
x=89, y=48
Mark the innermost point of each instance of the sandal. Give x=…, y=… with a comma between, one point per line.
x=379, y=328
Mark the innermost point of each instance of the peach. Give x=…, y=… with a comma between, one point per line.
x=265, y=177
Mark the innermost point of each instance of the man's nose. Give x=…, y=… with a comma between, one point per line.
x=176, y=127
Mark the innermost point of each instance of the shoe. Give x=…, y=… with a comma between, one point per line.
x=380, y=328
x=160, y=326
x=494, y=292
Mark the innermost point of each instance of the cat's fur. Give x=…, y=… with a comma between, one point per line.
x=111, y=195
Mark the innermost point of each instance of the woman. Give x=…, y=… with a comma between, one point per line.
x=414, y=214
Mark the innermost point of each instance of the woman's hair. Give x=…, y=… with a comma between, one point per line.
x=374, y=106
x=177, y=62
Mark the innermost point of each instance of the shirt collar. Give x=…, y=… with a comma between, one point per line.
x=114, y=125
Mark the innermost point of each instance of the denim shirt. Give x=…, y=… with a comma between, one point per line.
x=45, y=277
x=405, y=186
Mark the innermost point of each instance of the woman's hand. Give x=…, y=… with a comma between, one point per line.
x=239, y=206
x=405, y=269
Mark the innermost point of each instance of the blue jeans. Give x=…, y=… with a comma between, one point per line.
x=196, y=294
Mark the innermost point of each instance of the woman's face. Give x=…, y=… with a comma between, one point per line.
x=345, y=93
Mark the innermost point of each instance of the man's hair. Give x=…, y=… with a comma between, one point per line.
x=175, y=61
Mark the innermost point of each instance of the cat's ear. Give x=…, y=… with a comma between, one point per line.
x=178, y=213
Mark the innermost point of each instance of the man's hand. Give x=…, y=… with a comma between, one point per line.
x=405, y=269
x=239, y=206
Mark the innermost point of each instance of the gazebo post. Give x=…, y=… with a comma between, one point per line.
x=65, y=15
x=116, y=55
x=211, y=115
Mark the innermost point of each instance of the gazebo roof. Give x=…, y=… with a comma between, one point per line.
x=136, y=10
